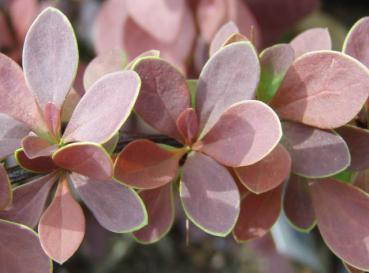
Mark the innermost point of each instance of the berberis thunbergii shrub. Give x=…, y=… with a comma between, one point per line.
x=255, y=134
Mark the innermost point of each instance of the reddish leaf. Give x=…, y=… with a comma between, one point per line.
x=135, y=168
x=297, y=203
x=362, y=180
x=356, y=42
x=245, y=133
x=69, y=105
x=342, y=212
x=315, y=152
x=222, y=35
x=258, y=214
x=20, y=250
x=116, y=207
x=149, y=53
x=268, y=173
x=352, y=269
x=42, y=164
x=62, y=226
x=318, y=84
x=160, y=209
x=188, y=126
x=313, y=39
x=103, y=64
x=164, y=88
x=357, y=140
x=231, y=75
x=50, y=57
x=34, y=147
x=209, y=195
x=234, y=38
x=85, y=158
x=53, y=120
x=29, y=201
x=11, y=133
x=104, y=108
x=6, y=194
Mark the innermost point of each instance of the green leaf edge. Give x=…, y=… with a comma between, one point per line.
x=16, y=154
x=349, y=33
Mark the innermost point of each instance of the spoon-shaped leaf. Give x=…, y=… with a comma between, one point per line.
x=6, y=194
x=116, y=207
x=222, y=35
x=42, y=164
x=34, y=146
x=209, y=195
x=244, y=134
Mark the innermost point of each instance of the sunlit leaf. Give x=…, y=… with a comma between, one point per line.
x=315, y=152
x=62, y=226
x=104, y=108
x=245, y=133
x=116, y=207
x=85, y=158
x=222, y=35
x=230, y=75
x=258, y=214
x=160, y=209
x=6, y=194
x=145, y=165
x=209, y=195
x=188, y=126
x=342, y=213
x=34, y=146
x=319, y=83
x=43, y=164
x=268, y=173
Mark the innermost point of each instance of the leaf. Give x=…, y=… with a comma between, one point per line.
x=268, y=173
x=188, y=126
x=315, y=152
x=274, y=62
x=34, y=146
x=111, y=144
x=209, y=195
x=357, y=140
x=17, y=100
x=161, y=211
x=50, y=57
x=6, y=194
x=351, y=269
x=297, y=204
x=313, y=39
x=11, y=133
x=29, y=201
x=345, y=176
x=116, y=207
x=85, y=158
x=342, y=213
x=361, y=181
x=149, y=53
x=230, y=75
x=43, y=164
x=69, y=105
x=104, y=108
x=234, y=38
x=319, y=83
x=62, y=226
x=258, y=214
x=135, y=168
x=102, y=64
x=22, y=13
x=244, y=134
x=164, y=88
x=221, y=36
x=21, y=251
x=356, y=42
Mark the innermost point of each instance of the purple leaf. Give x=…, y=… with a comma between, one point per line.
x=319, y=83
x=160, y=209
x=230, y=75
x=50, y=57
x=342, y=213
x=21, y=251
x=209, y=195
x=268, y=173
x=244, y=134
x=85, y=158
x=43, y=164
x=116, y=207
x=29, y=201
x=313, y=39
x=6, y=194
x=188, y=126
x=34, y=147
x=315, y=152
x=104, y=108
x=222, y=35
x=352, y=269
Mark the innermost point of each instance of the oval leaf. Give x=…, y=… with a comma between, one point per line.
x=62, y=226
x=268, y=173
x=230, y=75
x=315, y=152
x=209, y=195
x=245, y=133
x=116, y=207
x=6, y=194
x=319, y=83
x=104, y=108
